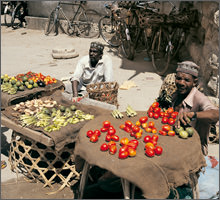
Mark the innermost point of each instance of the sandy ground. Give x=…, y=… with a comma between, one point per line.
x=23, y=50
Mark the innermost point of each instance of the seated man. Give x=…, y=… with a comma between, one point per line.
x=193, y=106
x=92, y=68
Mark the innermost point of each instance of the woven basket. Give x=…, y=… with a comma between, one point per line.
x=105, y=91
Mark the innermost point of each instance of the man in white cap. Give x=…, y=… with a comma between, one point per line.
x=193, y=105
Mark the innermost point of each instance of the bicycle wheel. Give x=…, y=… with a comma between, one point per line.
x=126, y=43
x=161, y=53
x=17, y=15
x=51, y=24
x=108, y=29
x=8, y=13
x=88, y=23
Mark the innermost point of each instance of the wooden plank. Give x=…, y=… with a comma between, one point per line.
x=35, y=135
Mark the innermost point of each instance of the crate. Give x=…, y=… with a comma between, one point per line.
x=42, y=163
x=105, y=92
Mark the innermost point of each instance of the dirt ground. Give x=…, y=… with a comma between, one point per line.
x=24, y=49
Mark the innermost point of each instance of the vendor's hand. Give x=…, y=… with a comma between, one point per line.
x=184, y=118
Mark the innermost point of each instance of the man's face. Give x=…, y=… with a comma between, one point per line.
x=184, y=83
x=94, y=55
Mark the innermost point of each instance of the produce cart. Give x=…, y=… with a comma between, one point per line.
x=156, y=176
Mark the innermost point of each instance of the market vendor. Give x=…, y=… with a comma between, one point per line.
x=92, y=68
x=193, y=106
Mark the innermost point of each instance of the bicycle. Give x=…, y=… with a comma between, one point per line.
x=18, y=15
x=114, y=30
x=84, y=22
x=8, y=10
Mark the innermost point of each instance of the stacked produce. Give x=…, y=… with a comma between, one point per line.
x=48, y=114
x=21, y=82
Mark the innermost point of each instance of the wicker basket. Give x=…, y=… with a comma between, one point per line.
x=105, y=91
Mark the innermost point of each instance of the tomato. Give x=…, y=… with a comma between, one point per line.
x=174, y=115
x=158, y=150
x=111, y=131
x=106, y=124
x=131, y=152
x=138, y=135
x=171, y=121
x=155, y=105
x=150, y=114
x=128, y=123
x=112, y=149
x=104, y=147
x=111, y=127
x=127, y=129
x=132, y=134
x=166, y=114
x=157, y=110
x=154, y=142
x=143, y=119
x=148, y=130
x=155, y=137
x=115, y=138
x=162, y=114
x=162, y=132
x=156, y=116
x=138, y=123
x=123, y=148
x=97, y=132
x=111, y=143
x=147, y=138
x=171, y=133
x=164, y=120
x=170, y=110
x=134, y=141
x=136, y=129
x=166, y=127
x=149, y=152
x=132, y=145
x=151, y=124
x=104, y=129
x=151, y=109
x=123, y=155
x=149, y=145
x=89, y=133
x=94, y=138
x=124, y=141
x=144, y=125
x=108, y=138
x=122, y=126
x=154, y=130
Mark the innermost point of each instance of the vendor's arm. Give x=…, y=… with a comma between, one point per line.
x=108, y=69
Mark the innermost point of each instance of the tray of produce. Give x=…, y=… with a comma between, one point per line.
x=27, y=86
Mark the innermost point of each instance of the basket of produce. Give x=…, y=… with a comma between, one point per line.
x=105, y=91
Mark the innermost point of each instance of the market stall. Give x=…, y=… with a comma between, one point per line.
x=180, y=160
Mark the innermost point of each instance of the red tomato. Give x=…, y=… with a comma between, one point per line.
x=111, y=131
x=89, y=133
x=104, y=147
x=127, y=129
x=149, y=152
x=154, y=130
x=151, y=124
x=166, y=114
x=112, y=149
x=111, y=127
x=150, y=109
x=94, y=138
x=106, y=124
x=136, y=129
x=157, y=110
x=158, y=150
x=156, y=116
x=164, y=120
x=143, y=119
x=171, y=121
x=162, y=114
x=150, y=114
x=138, y=135
x=123, y=155
x=108, y=138
x=128, y=124
x=122, y=126
x=174, y=115
x=115, y=138
x=171, y=133
x=97, y=132
x=134, y=141
x=131, y=152
x=132, y=145
x=111, y=143
x=155, y=137
x=154, y=142
x=138, y=123
x=149, y=145
x=155, y=105
x=166, y=127
x=104, y=129
x=162, y=132
x=148, y=130
x=147, y=138
x=170, y=110
x=132, y=134
x=124, y=141
x=123, y=149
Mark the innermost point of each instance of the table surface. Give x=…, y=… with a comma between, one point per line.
x=155, y=175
